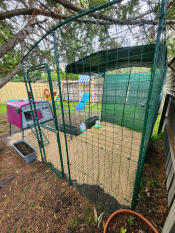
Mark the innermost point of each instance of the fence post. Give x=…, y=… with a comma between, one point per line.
x=165, y=106
x=169, y=226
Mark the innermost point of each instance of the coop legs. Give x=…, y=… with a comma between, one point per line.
x=10, y=129
x=22, y=134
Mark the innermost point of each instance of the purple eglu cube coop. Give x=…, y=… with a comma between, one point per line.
x=19, y=113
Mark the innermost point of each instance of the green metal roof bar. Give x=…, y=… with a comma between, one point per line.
x=79, y=15
x=142, y=152
x=38, y=67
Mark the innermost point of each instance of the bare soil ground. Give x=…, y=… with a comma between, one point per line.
x=105, y=159
x=37, y=200
x=4, y=125
x=152, y=199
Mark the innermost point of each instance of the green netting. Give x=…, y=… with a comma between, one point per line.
x=153, y=102
x=104, y=163
x=124, y=99
x=111, y=59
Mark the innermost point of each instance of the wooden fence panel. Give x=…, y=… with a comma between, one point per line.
x=169, y=164
x=12, y=90
x=17, y=90
x=169, y=226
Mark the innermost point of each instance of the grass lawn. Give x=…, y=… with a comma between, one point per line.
x=155, y=137
x=132, y=117
x=95, y=107
x=3, y=108
x=66, y=106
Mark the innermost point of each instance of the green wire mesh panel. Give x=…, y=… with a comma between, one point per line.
x=125, y=69
x=124, y=99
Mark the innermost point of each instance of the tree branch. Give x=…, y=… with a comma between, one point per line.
x=70, y=6
x=28, y=11
x=5, y=80
x=144, y=14
x=112, y=20
x=76, y=8
x=102, y=18
x=34, y=12
x=17, y=38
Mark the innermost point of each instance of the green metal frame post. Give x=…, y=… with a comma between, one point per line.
x=55, y=119
x=29, y=97
x=61, y=101
x=35, y=119
x=89, y=95
x=70, y=121
x=126, y=96
x=142, y=152
x=45, y=66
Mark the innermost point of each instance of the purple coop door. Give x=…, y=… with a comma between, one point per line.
x=39, y=114
x=14, y=116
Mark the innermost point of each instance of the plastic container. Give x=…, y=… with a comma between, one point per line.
x=132, y=213
x=70, y=129
x=97, y=125
x=91, y=121
x=28, y=158
x=82, y=127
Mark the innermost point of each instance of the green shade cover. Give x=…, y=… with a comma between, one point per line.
x=105, y=60
x=124, y=99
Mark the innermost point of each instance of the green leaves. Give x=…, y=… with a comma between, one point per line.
x=74, y=222
x=131, y=220
x=11, y=59
x=86, y=209
x=98, y=219
x=32, y=205
x=123, y=230
x=54, y=214
x=25, y=189
x=91, y=3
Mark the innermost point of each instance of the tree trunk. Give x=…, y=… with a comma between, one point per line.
x=18, y=38
x=5, y=80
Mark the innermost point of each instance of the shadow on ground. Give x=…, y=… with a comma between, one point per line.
x=103, y=201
